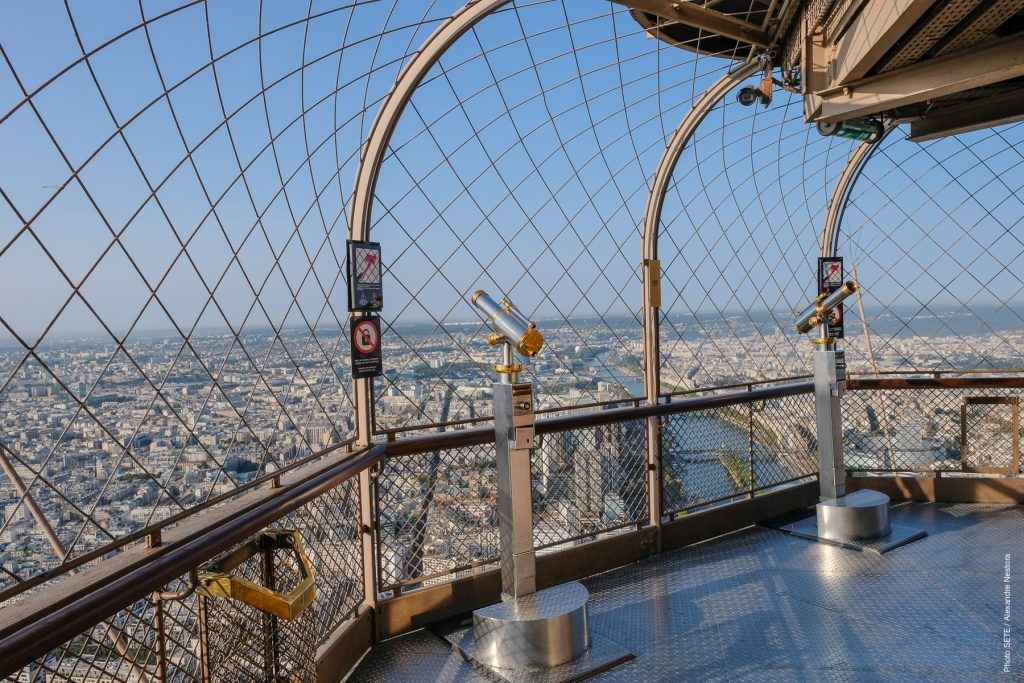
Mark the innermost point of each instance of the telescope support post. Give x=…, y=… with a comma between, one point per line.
x=862, y=515
x=860, y=519
x=529, y=628
x=513, y=430
x=829, y=383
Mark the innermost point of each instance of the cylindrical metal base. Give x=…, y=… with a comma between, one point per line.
x=545, y=629
x=859, y=516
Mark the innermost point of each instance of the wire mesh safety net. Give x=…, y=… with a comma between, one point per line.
x=173, y=207
x=174, y=202
x=934, y=230
x=521, y=166
x=172, y=244
x=738, y=244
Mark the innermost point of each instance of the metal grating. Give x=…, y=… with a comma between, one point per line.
x=982, y=27
x=945, y=20
x=589, y=481
x=922, y=430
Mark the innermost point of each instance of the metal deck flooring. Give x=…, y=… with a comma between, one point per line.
x=761, y=605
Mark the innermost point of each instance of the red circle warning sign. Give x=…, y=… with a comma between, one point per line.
x=365, y=337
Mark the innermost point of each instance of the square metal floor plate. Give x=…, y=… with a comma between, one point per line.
x=602, y=656
x=899, y=535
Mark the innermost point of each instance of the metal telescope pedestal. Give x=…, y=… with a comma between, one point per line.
x=857, y=520
x=529, y=629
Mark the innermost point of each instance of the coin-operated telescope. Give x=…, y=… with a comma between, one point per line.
x=516, y=633
x=818, y=313
x=511, y=330
x=860, y=517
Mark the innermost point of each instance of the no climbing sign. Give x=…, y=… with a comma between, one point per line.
x=366, y=356
x=830, y=278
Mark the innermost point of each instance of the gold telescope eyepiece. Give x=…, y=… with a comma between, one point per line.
x=509, y=324
x=817, y=312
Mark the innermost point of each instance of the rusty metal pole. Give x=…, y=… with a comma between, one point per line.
x=161, y=641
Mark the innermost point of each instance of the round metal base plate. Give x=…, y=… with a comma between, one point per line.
x=542, y=630
x=858, y=516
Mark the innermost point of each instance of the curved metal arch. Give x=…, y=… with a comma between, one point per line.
x=391, y=111
x=829, y=242
x=649, y=247
x=656, y=201
x=359, y=229
x=376, y=147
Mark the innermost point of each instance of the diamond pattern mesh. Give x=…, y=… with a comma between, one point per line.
x=714, y=455
x=438, y=510
x=437, y=515
x=738, y=244
x=920, y=430
x=174, y=202
x=173, y=205
x=125, y=648
x=521, y=166
x=587, y=481
x=242, y=642
x=934, y=231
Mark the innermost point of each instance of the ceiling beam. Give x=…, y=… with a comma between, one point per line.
x=874, y=31
x=934, y=78
x=703, y=18
x=986, y=112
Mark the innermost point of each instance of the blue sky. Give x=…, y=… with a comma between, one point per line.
x=528, y=160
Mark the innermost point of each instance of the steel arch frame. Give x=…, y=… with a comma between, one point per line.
x=656, y=201
x=376, y=147
x=391, y=112
x=359, y=229
x=649, y=248
x=829, y=241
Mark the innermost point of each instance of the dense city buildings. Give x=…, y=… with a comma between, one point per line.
x=108, y=442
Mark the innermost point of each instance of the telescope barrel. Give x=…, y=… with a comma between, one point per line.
x=510, y=324
x=816, y=313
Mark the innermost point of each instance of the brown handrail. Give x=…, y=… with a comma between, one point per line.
x=157, y=528
x=737, y=385
x=887, y=383
x=396, y=431
x=47, y=620
x=484, y=435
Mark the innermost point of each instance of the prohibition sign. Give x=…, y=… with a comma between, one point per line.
x=365, y=337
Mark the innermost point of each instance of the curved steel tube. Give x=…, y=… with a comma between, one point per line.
x=841, y=195
x=656, y=201
x=652, y=220
x=391, y=111
x=377, y=145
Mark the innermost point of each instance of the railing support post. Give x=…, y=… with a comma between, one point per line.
x=368, y=538
x=750, y=444
x=161, y=641
x=204, y=639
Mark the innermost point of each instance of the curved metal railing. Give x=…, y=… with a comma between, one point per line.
x=716, y=449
